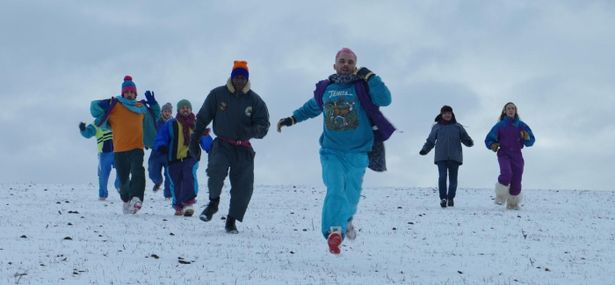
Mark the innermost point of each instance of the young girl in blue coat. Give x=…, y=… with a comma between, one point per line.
x=447, y=136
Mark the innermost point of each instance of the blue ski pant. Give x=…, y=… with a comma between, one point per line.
x=105, y=164
x=184, y=187
x=156, y=165
x=342, y=174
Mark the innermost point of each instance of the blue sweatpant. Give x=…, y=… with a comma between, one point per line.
x=105, y=164
x=342, y=174
x=156, y=163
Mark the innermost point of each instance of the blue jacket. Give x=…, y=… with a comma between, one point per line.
x=447, y=138
x=168, y=136
x=346, y=126
x=104, y=138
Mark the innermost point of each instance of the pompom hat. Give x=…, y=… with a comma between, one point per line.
x=128, y=85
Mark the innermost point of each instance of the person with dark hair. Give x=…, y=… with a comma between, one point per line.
x=507, y=138
x=238, y=115
x=348, y=101
x=447, y=136
x=132, y=124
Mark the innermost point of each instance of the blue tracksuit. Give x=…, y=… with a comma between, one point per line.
x=346, y=139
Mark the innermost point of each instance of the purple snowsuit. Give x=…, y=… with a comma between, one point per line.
x=507, y=133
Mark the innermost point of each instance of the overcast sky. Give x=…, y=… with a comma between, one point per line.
x=554, y=59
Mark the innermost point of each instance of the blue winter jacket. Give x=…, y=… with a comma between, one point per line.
x=447, y=138
x=346, y=126
x=168, y=136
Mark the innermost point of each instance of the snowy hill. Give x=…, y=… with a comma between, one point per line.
x=61, y=234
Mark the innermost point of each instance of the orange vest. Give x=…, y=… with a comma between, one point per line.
x=127, y=128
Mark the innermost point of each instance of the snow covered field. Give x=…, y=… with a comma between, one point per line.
x=61, y=234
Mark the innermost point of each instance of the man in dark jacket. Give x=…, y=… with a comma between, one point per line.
x=238, y=115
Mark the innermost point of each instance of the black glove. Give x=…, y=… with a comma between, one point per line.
x=163, y=149
x=423, y=152
x=289, y=121
x=365, y=73
x=149, y=96
x=82, y=126
x=194, y=150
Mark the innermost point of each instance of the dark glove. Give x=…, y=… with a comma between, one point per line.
x=289, y=121
x=82, y=126
x=149, y=96
x=365, y=73
x=163, y=149
x=494, y=147
x=525, y=135
x=423, y=152
x=194, y=150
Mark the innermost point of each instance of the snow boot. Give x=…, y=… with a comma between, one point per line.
x=188, y=210
x=351, y=232
x=513, y=202
x=156, y=187
x=443, y=203
x=335, y=240
x=210, y=210
x=230, y=226
x=501, y=193
x=451, y=203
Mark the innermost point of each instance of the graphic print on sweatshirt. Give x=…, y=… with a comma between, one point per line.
x=340, y=111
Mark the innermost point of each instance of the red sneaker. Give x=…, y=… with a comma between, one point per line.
x=334, y=241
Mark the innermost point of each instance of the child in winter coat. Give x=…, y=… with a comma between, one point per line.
x=173, y=140
x=105, y=156
x=157, y=162
x=447, y=136
x=507, y=138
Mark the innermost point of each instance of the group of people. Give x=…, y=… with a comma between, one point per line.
x=354, y=130
x=507, y=137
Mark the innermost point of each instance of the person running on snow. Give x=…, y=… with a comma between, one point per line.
x=507, y=138
x=173, y=140
x=133, y=128
x=447, y=136
x=345, y=142
x=238, y=115
x=157, y=162
x=105, y=157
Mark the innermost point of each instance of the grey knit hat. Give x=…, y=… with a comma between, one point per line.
x=168, y=107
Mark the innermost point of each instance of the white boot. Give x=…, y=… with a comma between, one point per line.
x=513, y=202
x=501, y=193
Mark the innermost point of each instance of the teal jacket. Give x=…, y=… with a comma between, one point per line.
x=100, y=110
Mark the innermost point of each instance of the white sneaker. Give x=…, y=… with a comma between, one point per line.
x=501, y=193
x=135, y=204
x=126, y=208
x=351, y=233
